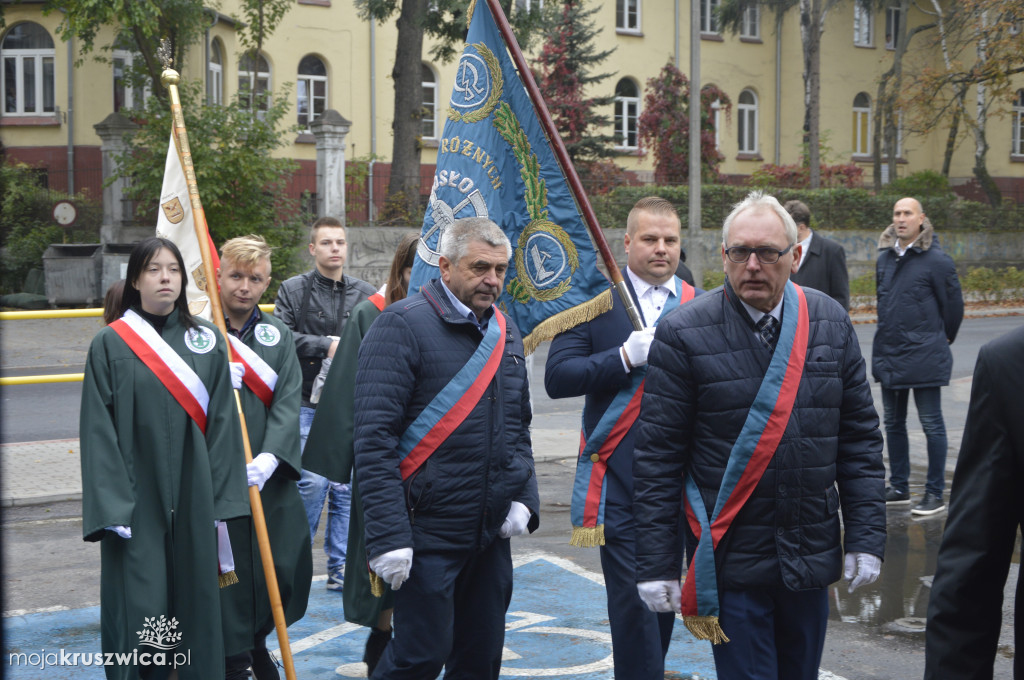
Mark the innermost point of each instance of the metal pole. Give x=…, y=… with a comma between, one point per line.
x=696, y=246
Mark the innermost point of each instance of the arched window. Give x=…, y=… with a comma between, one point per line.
x=747, y=127
x=253, y=81
x=215, y=74
x=429, y=120
x=1017, y=146
x=28, y=72
x=627, y=111
x=862, y=125
x=312, y=89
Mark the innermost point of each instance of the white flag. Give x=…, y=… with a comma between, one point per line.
x=176, y=223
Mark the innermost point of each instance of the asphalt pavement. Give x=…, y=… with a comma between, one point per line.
x=51, y=576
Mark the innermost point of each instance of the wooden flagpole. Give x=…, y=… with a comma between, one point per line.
x=558, y=146
x=170, y=80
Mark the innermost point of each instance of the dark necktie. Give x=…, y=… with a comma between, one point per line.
x=767, y=327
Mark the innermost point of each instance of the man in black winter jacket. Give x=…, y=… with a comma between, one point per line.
x=920, y=308
x=444, y=462
x=757, y=413
x=315, y=306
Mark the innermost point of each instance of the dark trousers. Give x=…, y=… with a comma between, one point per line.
x=640, y=638
x=774, y=634
x=929, y=409
x=451, y=613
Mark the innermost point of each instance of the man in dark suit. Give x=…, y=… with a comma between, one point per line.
x=822, y=262
x=605, y=360
x=965, y=613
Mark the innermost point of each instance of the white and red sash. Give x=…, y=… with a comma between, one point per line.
x=177, y=376
x=259, y=376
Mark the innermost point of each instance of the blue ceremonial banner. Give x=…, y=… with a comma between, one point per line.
x=494, y=161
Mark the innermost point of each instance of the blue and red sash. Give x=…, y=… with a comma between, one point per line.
x=452, y=404
x=588, y=493
x=756, y=444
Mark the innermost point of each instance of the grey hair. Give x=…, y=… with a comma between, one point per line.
x=456, y=238
x=758, y=201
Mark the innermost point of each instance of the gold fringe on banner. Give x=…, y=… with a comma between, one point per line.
x=706, y=628
x=227, y=579
x=376, y=584
x=587, y=537
x=563, y=321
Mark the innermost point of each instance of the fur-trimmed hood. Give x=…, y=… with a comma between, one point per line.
x=888, y=238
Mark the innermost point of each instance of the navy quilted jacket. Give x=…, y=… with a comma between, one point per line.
x=705, y=367
x=458, y=499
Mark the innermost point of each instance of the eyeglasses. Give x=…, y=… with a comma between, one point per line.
x=765, y=254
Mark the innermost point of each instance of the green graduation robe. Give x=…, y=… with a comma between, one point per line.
x=147, y=465
x=246, y=606
x=329, y=453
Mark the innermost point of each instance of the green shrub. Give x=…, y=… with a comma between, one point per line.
x=713, y=279
x=27, y=227
x=863, y=285
x=921, y=185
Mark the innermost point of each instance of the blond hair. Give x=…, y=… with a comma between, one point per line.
x=654, y=205
x=246, y=251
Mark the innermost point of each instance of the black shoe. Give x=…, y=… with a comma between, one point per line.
x=375, y=645
x=931, y=504
x=264, y=665
x=894, y=497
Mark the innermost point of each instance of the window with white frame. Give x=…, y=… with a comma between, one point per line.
x=311, y=89
x=215, y=75
x=863, y=25
x=708, y=17
x=893, y=19
x=129, y=93
x=750, y=27
x=1017, y=144
x=627, y=114
x=28, y=78
x=861, y=125
x=254, y=81
x=747, y=129
x=429, y=120
x=627, y=15
x=528, y=5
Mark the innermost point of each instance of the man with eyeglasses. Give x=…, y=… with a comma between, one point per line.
x=757, y=423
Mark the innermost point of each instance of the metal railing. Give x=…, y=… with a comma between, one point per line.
x=91, y=312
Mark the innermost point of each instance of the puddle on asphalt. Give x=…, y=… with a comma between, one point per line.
x=898, y=601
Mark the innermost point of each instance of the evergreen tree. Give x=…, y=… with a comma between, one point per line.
x=565, y=73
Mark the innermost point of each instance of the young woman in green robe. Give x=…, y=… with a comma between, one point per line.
x=154, y=483
x=329, y=453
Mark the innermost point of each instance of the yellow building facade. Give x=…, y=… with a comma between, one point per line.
x=334, y=60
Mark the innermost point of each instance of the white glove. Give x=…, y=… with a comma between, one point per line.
x=237, y=371
x=121, y=530
x=865, y=566
x=516, y=521
x=661, y=596
x=637, y=345
x=393, y=566
x=259, y=470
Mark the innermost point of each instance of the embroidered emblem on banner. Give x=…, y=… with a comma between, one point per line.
x=173, y=210
x=267, y=335
x=444, y=215
x=478, y=86
x=200, y=340
x=546, y=259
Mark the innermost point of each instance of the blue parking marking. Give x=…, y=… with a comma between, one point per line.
x=557, y=626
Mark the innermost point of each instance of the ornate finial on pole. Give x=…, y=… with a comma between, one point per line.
x=169, y=76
